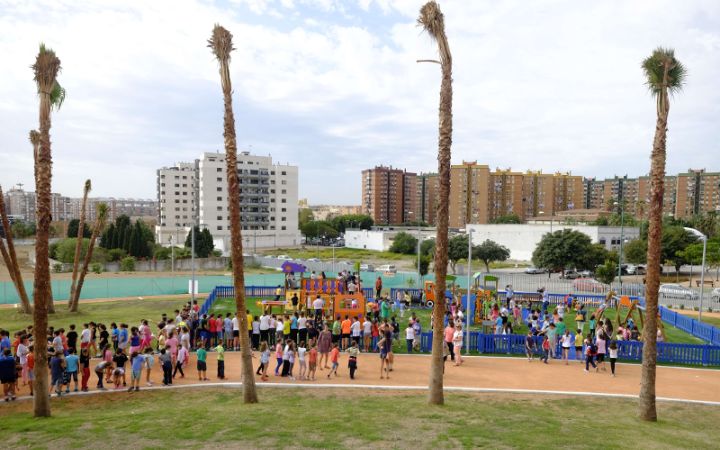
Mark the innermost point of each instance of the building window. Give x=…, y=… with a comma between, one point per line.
x=283, y=200
x=283, y=219
x=219, y=208
x=219, y=227
x=219, y=217
x=219, y=189
x=284, y=210
x=283, y=173
x=219, y=178
x=219, y=169
x=283, y=227
x=284, y=191
x=219, y=199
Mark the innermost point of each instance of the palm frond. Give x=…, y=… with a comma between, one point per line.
x=34, y=137
x=46, y=68
x=654, y=68
x=221, y=43
x=88, y=186
x=433, y=22
x=57, y=95
x=102, y=212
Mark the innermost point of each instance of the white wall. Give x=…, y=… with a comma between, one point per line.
x=522, y=239
x=381, y=240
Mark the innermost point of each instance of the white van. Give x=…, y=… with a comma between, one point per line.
x=387, y=268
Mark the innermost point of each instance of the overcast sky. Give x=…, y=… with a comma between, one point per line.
x=333, y=87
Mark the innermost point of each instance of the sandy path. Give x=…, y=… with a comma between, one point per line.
x=485, y=372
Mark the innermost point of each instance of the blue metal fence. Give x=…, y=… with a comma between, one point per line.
x=689, y=325
x=514, y=344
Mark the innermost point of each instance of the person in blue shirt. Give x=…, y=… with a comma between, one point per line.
x=8, y=374
x=71, y=368
x=294, y=327
x=4, y=340
x=137, y=362
x=123, y=336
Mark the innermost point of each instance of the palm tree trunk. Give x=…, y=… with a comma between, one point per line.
x=10, y=258
x=221, y=43
x=72, y=304
x=75, y=299
x=647, y=410
x=436, y=396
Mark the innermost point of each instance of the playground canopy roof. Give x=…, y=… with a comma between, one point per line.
x=288, y=267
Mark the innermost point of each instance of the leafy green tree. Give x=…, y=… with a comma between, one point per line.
x=427, y=247
x=490, y=251
x=21, y=230
x=635, y=251
x=72, y=230
x=318, y=228
x=457, y=249
x=362, y=221
x=305, y=215
x=116, y=254
x=673, y=241
x=606, y=273
x=562, y=249
x=204, y=244
x=425, y=264
x=127, y=264
x=404, y=243
x=65, y=250
x=507, y=218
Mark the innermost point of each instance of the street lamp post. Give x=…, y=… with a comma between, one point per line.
x=192, y=263
x=622, y=239
x=702, y=273
x=467, y=297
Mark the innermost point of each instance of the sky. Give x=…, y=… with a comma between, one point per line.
x=333, y=86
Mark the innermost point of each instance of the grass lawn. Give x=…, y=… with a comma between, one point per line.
x=343, y=419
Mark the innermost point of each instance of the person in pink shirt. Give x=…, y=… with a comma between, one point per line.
x=146, y=333
x=172, y=342
x=219, y=328
x=449, y=334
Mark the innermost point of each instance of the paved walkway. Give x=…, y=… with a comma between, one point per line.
x=485, y=373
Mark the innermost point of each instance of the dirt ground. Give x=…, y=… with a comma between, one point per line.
x=481, y=372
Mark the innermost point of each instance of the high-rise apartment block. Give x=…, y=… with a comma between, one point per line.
x=196, y=194
x=481, y=195
x=21, y=206
x=389, y=195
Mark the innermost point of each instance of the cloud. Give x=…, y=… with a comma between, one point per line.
x=334, y=87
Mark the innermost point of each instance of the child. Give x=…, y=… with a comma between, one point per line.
x=57, y=370
x=31, y=369
x=181, y=360
x=220, y=361
x=264, y=361
x=567, y=341
x=312, y=362
x=352, y=358
x=301, y=360
x=118, y=376
x=590, y=351
x=202, y=364
x=334, y=356
x=8, y=373
x=149, y=363
x=530, y=345
x=546, y=349
x=278, y=355
x=102, y=370
x=613, y=350
x=137, y=361
x=578, y=345
x=166, y=363
x=71, y=367
x=457, y=344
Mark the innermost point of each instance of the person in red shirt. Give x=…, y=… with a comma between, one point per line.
x=345, y=327
x=212, y=329
x=334, y=357
x=218, y=329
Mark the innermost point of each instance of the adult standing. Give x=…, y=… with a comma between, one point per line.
x=324, y=343
x=509, y=294
x=318, y=305
x=302, y=328
x=264, y=327
x=449, y=335
x=385, y=310
x=378, y=286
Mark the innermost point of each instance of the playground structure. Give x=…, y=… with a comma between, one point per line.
x=632, y=306
x=337, y=301
x=451, y=292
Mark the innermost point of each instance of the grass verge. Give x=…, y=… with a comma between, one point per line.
x=339, y=418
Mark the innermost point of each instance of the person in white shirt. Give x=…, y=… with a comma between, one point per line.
x=457, y=344
x=85, y=336
x=302, y=328
x=264, y=327
x=355, y=331
x=409, y=336
x=367, y=335
x=271, y=330
x=318, y=305
x=279, y=330
x=236, y=332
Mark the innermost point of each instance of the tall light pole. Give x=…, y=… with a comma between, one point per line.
x=622, y=239
x=192, y=262
x=702, y=274
x=467, y=297
x=172, y=255
x=542, y=213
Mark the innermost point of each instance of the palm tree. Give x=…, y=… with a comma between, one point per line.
x=57, y=97
x=221, y=44
x=72, y=304
x=46, y=68
x=10, y=258
x=100, y=219
x=664, y=75
x=432, y=20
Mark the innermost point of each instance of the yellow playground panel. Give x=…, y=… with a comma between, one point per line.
x=349, y=305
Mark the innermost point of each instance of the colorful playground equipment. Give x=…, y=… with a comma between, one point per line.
x=632, y=306
x=333, y=292
x=429, y=296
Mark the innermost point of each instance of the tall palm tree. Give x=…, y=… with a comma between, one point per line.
x=57, y=96
x=10, y=258
x=665, y=75
x=100, y=219
x=221, y=44
x=72, y=304
x=46, y=69
x=432, y=20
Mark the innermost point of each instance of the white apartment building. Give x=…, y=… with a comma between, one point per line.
x=268, y=201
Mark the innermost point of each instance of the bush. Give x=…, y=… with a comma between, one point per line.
x=65, y=250
x=127, y=264
x=96, y=268
x=695, y=308
x=682, y=306
x=404, y=243
x=116, y=254
x=53, y=250
x=161, y=252
x=216, y=253
x=57, y=268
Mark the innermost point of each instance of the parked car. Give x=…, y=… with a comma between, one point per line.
x=367, y=268
x=387, y=268
x=629, y=269
x=284, y=257
x=715, y=294
x=535, y=270
x=589, y=285
x=670, y=290
x=313, y=260
x=570, y=274
x=586, y=273
x=641, y=269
